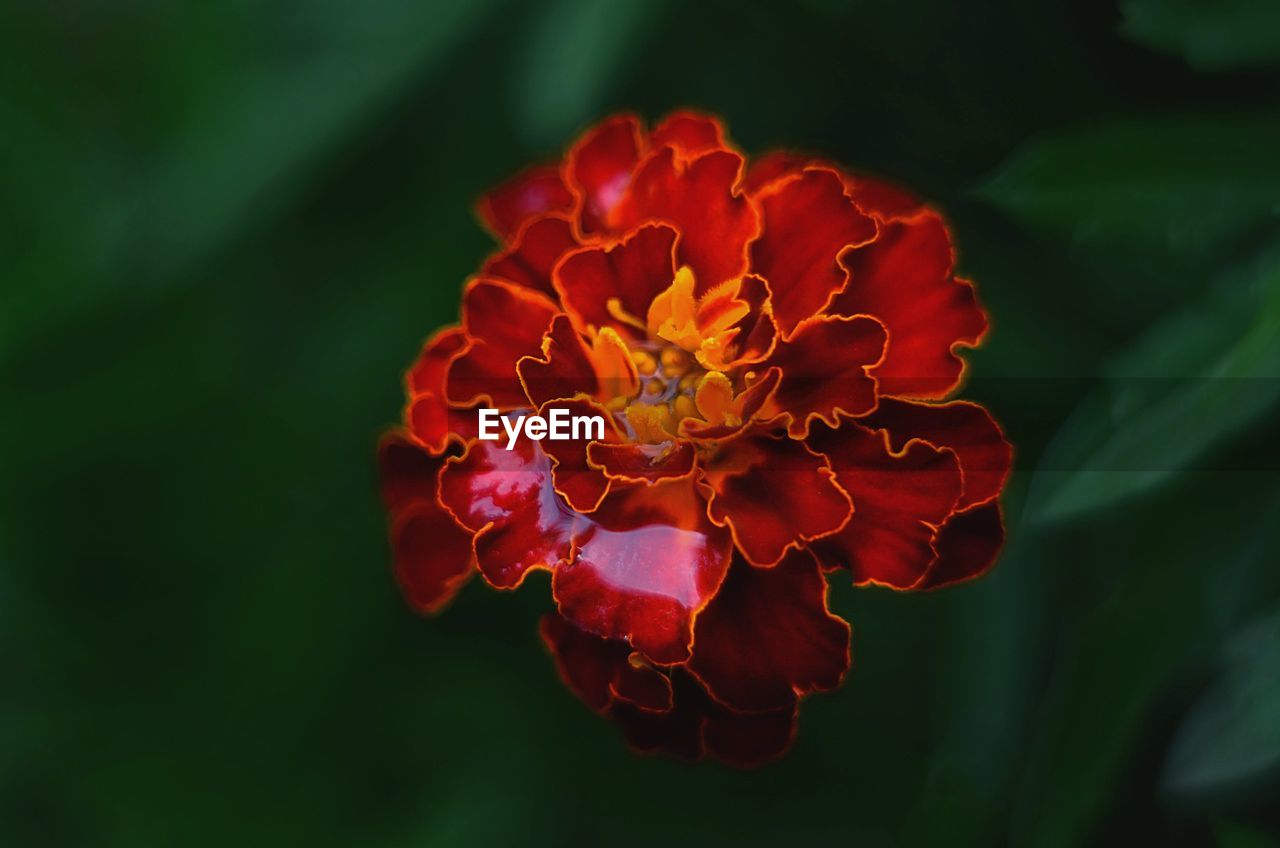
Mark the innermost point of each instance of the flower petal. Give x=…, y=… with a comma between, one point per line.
x=629, y=274
x=529, y=193
x=504, y=322
x=965, y=428
x=809, y=223
x=689, y=133
x=537, y=247
x=601, y=671
x=582, y=485
x=899, y=499
x=773, y=493
x=642, y=567
x=432, y=554
x=506, y=497
x=967, y=544
x=564, y=369
x=904, y=278
x=698, y=726
x=775, y=165
x=883, y=200
x=825, y=368
x=768, y=636
x=700, y=197
x=600, y=165
x=428, y=414
x=649, y=464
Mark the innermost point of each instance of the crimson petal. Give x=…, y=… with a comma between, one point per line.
x=905, y=279
x=774, y=494
x=700, y=197
x=536, y=249
x=642, y=567
x=899, y=499
x=631, y=273
x=768, y=636
x=503, y=322
x=601, y=671
x=808, y=224
x=600, y=165
x=824, y=369
x=533, y=192
x=507, y=498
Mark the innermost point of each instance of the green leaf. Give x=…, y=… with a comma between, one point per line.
x=1222, y=35
x=1232, y=734
x=1186, y=186
x=1182, y=388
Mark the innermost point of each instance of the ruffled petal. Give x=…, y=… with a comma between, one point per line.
x=965, y=428
x=967, y=545
x=613, y=286
x=775, y=165
x=506, y=497
x=649, y=464
x=581, y=484
x=697, y=726
x=503, y=322
x=825, y=367
x=768, y=636
x=529, y=193
x=700, y=198
x=899, y=499
x=599, y=168
x=883, y=200
x=773, y=493
x=689, y=133
x=428, y=414
x=904, y=278
x=564, y=369
x=642, y=567
x=537, y=247
x=808, y=224
x=602, y=671
x=432, y=554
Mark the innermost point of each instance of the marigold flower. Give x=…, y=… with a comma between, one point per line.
x=772, y=345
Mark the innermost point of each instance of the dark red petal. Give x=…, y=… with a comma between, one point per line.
x=768, y=636
x=529, y=193
x=700, y=197
x=749, y=740
x=774, y=493
x=600, y=671
x=966, y=428
x=753, y=399
x=967, y=545
x=904, y=279
x=808, y=223
x=758, y=331
x=599, y=168
x=824, y=369
x=504, y=322
x=898, y=502
x=433, y=557
x=642, y=567
x=536, y=249
x=432, y=554
x=689, y=133
x=633, y=272
x=697, y=725
x=564, y=368
x=506, y=497
x=882, y=200
x=772, y=166
x=407, y=471
x=428, y=372
x=580, y=484
x=650, y=464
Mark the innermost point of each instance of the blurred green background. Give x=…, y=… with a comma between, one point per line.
x=226, y=228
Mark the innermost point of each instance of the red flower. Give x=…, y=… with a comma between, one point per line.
x=772, y=347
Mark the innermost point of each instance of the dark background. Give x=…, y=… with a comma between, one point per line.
x=226, y=228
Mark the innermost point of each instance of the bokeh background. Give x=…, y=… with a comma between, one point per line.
x=226, y=228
